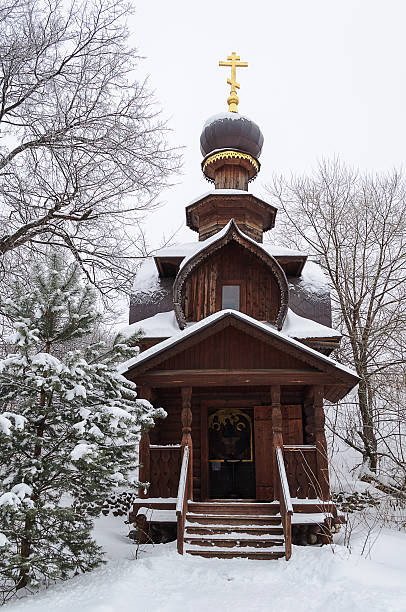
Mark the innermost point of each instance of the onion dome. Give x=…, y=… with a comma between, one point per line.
x=231, y=131
x=232, y=139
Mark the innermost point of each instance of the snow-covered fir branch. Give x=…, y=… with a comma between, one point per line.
x=69, y=428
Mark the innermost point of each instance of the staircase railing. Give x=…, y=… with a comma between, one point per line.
x=182, y=500
x=285, y=503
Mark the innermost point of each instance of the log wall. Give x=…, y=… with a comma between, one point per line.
x=259, y=291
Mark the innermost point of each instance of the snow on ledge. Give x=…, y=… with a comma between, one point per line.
x=158, y=516
x=301, y=518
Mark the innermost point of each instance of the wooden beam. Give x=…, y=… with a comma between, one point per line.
x=277, y=437
x=144, y=392
x=263, y=453
x=204, y=452
x=228, y=378
x=186, y=418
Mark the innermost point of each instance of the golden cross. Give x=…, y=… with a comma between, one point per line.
x=234, y=63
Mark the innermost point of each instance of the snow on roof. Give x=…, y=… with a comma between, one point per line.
x=296, y=326
x=161, y=325
x=194, y=328
x=191, y=248
x=312, y=279
x=147, y=280
x=226, y=115
x=226, y=192
x=165, y=325
x=220, y=192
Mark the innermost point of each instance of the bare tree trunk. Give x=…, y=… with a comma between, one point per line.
x=367, y=434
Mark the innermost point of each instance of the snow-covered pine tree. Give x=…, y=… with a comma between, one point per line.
x=69, y=428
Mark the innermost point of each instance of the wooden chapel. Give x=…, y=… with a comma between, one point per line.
x=236, y=345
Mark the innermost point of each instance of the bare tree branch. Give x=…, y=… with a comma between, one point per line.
x=83, y=150
x=356, y=225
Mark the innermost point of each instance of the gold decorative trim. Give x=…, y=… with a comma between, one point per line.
x=239, y=419
x=231, y=155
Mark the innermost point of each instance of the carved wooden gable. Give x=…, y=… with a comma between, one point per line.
x=232, y=272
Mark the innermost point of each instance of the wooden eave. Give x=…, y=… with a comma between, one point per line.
x=336, y=382
x=168, y=266
x=323, y=345
x=266, y=211
x=291, y=265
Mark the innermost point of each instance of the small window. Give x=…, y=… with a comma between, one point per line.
x=230, y=297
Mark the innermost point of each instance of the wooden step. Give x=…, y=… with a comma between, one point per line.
x=231, y=554
x=234, y=508
x=221, y=529
x=233, y=542
x=229, y=519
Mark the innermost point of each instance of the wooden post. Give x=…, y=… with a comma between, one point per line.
x=204, y=453
x=186, y=417
x=144, y=448
x=320, y=441
x=277, y=437
x=263, y=433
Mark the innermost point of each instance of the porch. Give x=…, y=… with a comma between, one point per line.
x=291, y=488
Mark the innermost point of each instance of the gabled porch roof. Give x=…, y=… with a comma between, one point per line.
x=337, y=375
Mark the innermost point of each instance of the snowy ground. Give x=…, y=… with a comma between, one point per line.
x=315, y=579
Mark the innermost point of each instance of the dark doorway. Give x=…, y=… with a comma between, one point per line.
x=231, y=454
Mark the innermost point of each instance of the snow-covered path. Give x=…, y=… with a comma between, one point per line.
x=315, y=579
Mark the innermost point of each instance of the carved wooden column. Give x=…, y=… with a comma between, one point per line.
x=320, y=442
x=277, y=437
x=144, y=447
x=186, y=419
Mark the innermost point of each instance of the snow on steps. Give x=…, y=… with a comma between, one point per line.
x=230, y=529
x=231, y=519
x=273, y=530
x=247, y=553
x=216, y=540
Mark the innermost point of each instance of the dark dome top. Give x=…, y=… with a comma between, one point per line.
x=231, y=131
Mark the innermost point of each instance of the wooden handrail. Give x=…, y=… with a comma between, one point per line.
x=285, y=503
x=301, y=447
x=182, y=499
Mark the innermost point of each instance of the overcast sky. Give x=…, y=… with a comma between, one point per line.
x=325, y=78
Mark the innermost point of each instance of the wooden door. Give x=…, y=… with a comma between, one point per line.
x=231, y=453
x=263, y=452
x=228, y=452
